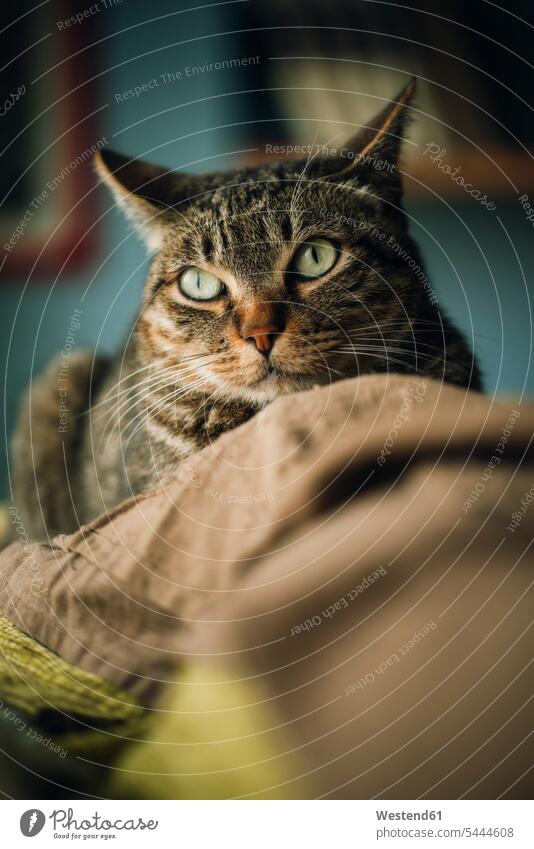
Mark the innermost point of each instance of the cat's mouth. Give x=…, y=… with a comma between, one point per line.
x=274, y=381
x=270, y=382
x=272, y=376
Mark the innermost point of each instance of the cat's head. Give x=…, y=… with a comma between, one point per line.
x=271, y=279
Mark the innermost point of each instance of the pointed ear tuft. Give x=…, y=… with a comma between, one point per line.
x=144, y=191
x=383, y=136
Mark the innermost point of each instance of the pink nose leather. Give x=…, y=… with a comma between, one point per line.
x=262, y=336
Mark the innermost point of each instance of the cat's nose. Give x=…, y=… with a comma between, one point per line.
x=263, y=337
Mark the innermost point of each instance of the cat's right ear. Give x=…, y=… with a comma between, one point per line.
x=373, y=153
x=144, y=191
x=384, y=135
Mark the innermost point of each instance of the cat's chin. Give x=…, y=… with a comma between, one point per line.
x=262, y=391
x=264, y=388
x=275, y=383
x=271, y=386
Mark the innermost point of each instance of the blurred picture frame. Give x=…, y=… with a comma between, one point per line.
x=48, y=112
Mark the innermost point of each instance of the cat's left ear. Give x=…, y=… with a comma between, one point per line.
x=382, y=138
x=144, y=191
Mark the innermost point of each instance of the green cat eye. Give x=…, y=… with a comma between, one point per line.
x=315, y=258
x=200, y=285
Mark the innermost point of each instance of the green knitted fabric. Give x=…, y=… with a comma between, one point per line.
x=208, y=740
x=38, y=682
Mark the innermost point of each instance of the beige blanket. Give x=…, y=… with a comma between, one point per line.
x=362, y=553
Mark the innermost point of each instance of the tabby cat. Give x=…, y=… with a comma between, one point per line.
x=264, y=280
